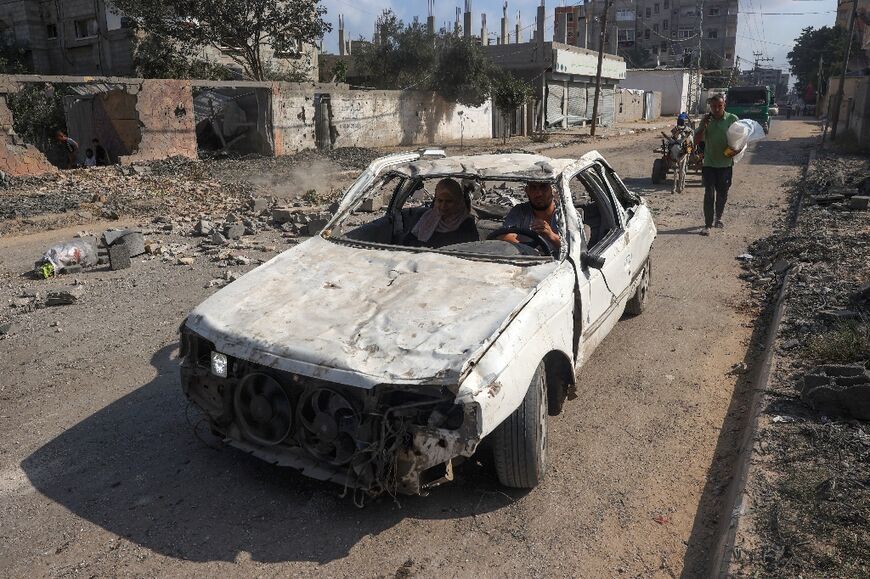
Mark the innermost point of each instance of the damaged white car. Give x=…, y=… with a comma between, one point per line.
x=375, y=357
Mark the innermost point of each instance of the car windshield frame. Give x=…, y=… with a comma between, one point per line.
x=404, y=190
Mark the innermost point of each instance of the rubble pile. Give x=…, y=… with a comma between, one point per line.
x=813, y=442
x=182, y=189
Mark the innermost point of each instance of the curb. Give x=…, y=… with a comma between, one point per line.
x=723, y=551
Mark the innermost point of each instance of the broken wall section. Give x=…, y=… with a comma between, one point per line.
x=17, y=158
x=166, y=119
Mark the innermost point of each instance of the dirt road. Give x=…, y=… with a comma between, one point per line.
x=101, y=473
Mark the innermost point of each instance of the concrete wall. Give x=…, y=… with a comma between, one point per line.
x=673, y=84
x=629, y=106
x=384, y=118
x=16, y=158
x=166, y=118
x=854, y=119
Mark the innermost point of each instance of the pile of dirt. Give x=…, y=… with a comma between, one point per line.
x=809, y=482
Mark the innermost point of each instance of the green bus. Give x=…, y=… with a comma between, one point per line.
x=750, y=102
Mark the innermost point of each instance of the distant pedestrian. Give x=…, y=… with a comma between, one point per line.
x=100, y=153
x=70, y=146
x=717, y=171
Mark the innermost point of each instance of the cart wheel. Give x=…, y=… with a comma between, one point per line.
x=658, y=171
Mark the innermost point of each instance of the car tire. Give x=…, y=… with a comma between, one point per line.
x=658, y=171
x=520, y=442
x=637, y=304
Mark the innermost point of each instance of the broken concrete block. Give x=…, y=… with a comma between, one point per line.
x=217, y=238
x=119, y=256
x=283, y=214
x=72, y=269
x=838, y=390
x=234, y=231
x=203, y=227
x=829, y=199
x=859, y=202
x=259, y=204
x=65, y=297
x=185, y=261
x=135, y=242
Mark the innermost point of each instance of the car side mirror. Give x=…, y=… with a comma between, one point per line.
x=591, y=260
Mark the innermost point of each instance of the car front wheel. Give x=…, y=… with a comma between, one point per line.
x=520, y=442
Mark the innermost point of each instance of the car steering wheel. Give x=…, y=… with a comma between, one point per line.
x=538, y=241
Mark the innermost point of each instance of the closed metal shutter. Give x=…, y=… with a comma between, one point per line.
x=577, y=103
x=606, y=105
x=554, y=103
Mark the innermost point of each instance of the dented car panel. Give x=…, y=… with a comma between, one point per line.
x=379, y=367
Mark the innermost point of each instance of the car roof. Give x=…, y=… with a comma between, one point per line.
x=519, y=166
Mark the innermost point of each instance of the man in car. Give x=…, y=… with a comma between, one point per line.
x=537, y=214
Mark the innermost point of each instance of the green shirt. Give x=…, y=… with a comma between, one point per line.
x=716, y=141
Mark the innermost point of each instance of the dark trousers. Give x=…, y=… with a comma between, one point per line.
x=717, y=181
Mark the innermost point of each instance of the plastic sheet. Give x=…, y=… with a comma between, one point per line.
x=76, y=252
x=742, y=133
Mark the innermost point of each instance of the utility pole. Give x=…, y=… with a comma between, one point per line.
x=757, y=69
x=694, y=98
x=835, y=116
x=601, y=37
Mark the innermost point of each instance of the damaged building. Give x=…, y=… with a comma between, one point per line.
x=149, y=119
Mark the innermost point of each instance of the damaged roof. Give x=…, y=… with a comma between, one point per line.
x=520, y=166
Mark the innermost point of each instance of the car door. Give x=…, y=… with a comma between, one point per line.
x=603, y=265
x=638, y=222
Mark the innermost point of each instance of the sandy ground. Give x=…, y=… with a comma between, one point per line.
x=101, y=472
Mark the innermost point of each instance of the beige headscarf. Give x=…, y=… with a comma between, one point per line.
x=432, y=220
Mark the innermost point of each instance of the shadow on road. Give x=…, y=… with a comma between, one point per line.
x=136, y=469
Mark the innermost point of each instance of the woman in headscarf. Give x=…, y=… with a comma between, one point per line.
x=448, y=221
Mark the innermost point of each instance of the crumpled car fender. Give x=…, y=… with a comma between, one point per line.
x=499, y=380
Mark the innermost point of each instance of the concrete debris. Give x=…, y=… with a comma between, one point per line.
x=119, y=256
x=203, y=227
x=5, y=328
x=134, y=240
x=234, y=230
x=838, y=391
x=186, y=261
x=65, y=297
x=218, y=238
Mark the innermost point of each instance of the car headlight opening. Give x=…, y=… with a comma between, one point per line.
x=219, y=364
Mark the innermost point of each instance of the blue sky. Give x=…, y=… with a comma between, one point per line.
x=772, y=35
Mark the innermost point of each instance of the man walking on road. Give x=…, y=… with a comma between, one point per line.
x=716, y=173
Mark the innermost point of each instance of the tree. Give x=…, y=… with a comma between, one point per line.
x=240, y=29
x=463, y=71
x=404, y=56
x=814, y=45
x=509, y=93
x=14, y=59
x=156, y=56
x=408, y=56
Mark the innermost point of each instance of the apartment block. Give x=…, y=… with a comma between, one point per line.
x=669, y=30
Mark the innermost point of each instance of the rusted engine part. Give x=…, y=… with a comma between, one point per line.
x=390, y=439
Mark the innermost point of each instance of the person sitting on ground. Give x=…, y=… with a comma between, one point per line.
x=537, y=214
x=90, y=160
x=100, y=153
x=447, y=222
x=71, y=148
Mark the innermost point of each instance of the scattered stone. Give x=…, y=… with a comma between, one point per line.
x=780, y=266
x=745, y=257
x=234, y=231
x=5, y=328
x=282, y=214
x=119, y=256
x=77, y=268
x=203, y=227
x=65, y=297
x=859, y=203
x=838, y=390
x=153, y=248
x=259, y=204
x=20, y=302
x=185, y=261
x=217, y=238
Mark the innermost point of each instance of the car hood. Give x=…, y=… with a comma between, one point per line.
x=364, y=316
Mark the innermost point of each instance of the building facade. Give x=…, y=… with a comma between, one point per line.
x=88, y=37
x=68, y=36
x=655, y=32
